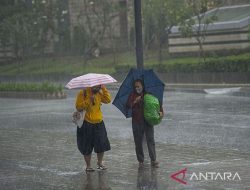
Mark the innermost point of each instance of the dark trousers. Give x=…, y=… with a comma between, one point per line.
x=92, y=136
x=138, y=131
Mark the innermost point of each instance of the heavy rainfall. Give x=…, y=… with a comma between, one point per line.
x=198, y=49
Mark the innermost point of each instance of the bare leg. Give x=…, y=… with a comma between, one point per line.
x=87, y=159
x=100, y=158
x=100, y=166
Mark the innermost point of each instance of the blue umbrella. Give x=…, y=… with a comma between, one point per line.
x=152, y=84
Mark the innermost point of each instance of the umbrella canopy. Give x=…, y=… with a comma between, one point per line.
x=152, y=85
x=89, y=80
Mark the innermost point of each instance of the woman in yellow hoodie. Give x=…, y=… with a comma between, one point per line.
x=92, y=134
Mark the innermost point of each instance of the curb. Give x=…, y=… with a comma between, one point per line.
x=197, y=88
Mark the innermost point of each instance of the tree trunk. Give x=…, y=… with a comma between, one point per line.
x=160, y=53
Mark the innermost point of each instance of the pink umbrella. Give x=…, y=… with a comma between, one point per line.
x=89, y=80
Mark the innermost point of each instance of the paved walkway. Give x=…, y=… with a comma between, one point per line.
x=204, y=134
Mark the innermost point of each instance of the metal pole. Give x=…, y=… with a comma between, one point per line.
x=138, y=34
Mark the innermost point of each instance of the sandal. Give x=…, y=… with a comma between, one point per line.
x=155, y=164
x=101, y=167
x=89, y=170
x=140, y=164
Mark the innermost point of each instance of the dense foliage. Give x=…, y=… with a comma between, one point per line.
x=236, y=63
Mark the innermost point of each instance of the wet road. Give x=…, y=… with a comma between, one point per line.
x=199, y=132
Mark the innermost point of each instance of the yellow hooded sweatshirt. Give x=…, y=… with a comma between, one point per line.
x=91, y=103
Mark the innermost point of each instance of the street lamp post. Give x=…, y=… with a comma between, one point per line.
x=138, y=34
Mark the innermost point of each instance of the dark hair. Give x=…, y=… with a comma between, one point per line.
x=140, y=81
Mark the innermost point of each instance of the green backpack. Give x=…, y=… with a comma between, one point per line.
x=151, y=108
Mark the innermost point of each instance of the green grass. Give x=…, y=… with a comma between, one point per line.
x=74, y=65
x=31, y=87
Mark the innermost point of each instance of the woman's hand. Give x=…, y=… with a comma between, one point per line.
x=76, y=115
x=137, y=99
x=161, y=114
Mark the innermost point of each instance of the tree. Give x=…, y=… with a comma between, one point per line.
x=96, y=22
x=25, y=25
x=159, y=17
x=62, y=30
x=197, y=25
x=15, y=29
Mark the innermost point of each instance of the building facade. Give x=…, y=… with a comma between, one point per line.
x=230, y=31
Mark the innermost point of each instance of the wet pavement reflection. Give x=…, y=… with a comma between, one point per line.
x=200, y=133
x=147, y=178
